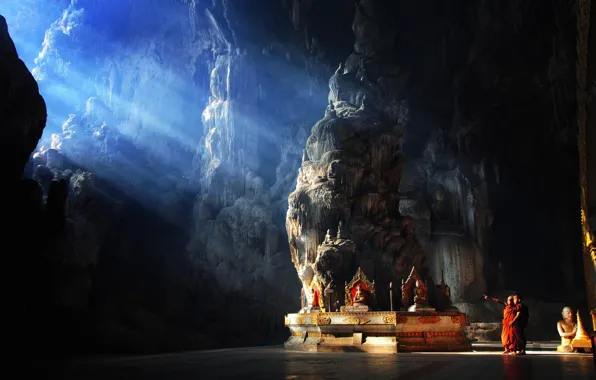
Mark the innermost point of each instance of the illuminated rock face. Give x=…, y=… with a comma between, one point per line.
x=351, y=170
x=203, y=135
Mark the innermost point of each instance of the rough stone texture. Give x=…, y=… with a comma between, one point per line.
x=472, y=163
x=486, y=93
x=453, y=216
x=351, y=170
x=137, y=268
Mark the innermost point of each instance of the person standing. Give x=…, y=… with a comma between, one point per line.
x=519, y=323
x=507, y=338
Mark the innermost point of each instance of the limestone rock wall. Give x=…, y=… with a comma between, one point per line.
x=480, y=119
x=351, y=169
x=176, y=148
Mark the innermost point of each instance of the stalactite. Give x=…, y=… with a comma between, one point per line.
x=192, y=17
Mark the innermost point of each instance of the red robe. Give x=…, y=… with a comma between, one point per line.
x=507, y=337
x=517, y=330
x=316, y=299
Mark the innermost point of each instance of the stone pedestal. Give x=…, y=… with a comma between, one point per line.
x=377, y=331
x=355, y=309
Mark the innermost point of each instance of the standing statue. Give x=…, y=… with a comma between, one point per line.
x=339, y=230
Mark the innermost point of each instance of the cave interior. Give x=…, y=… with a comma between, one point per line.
x=170, y=170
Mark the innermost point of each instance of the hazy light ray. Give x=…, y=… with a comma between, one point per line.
x=149, y=91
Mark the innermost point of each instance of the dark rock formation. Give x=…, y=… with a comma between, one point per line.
x=22, y=120
x=22, y=109
x=351, y=169
x=473, y=159
x=502, y=81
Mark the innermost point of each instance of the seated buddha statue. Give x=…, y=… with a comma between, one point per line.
x=567, y=328
x=420, y=294
x=359, y=296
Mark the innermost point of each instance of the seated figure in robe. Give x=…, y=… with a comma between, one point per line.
x=567, y=328
x=359, y=296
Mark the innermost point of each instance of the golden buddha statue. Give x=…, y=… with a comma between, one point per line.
x=420, y=294
x=567, y=328
x=359, y=296
x=360, y=293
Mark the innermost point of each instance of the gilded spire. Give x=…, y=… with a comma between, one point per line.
x=581, y=331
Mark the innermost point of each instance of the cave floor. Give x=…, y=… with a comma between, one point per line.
x=275, y=363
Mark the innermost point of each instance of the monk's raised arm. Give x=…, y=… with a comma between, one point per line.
x=486, y=297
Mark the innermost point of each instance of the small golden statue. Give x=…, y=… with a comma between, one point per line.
x=567, y=329
x=360, y=293
x=573, y=334
x=415, y=285
x=359, y=296
x=420, y=294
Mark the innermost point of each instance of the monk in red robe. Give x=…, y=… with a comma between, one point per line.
x=518, y=325
x=507, y=338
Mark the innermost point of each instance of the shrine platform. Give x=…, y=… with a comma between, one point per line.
x=378, y=332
